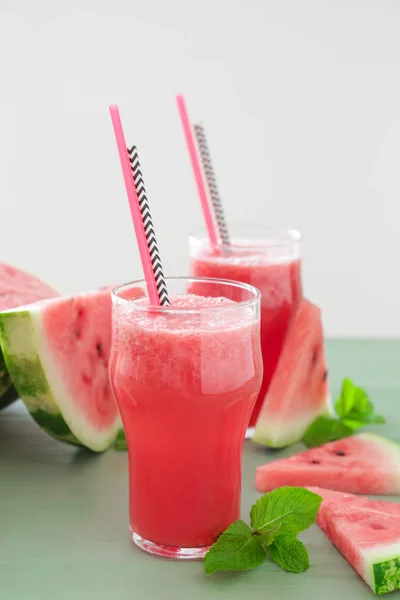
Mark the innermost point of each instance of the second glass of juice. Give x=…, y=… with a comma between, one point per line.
x=185, y=378
x=268, y=259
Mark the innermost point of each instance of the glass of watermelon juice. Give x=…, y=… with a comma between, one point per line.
x=268, y=259
x=185, y=378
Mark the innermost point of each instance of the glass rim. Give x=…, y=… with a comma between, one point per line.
x=280, y=237
x=256, y=296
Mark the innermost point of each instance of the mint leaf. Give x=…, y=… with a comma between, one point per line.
x=292, y=508
x=362, y=404
x=376, y=420
x=289, y=553
x=360, y=421
x=353, y=402
x=325, y=429
x=354, y=407
x=120, y=441
x=354, y=423
x=237, y=549
x=268, y=536
x=345, y=403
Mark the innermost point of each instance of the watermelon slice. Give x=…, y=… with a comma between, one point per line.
x=367, y=533
x=57, y=352
x=299, y=390
x=363, y=464
x=17, y=288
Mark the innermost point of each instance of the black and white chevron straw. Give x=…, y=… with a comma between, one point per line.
x=148, y=227
x=222, y=226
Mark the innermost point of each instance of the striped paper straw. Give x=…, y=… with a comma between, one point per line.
x=201, y=188
x=141, y=216
x=208, y=169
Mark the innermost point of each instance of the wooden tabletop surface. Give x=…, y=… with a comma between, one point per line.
x=63, y=513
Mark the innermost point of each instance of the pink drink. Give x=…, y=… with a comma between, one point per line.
x=271, y=264
x=185, y=380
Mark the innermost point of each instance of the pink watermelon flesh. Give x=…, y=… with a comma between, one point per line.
x=362, y=464
x=17, y=288
x=356, y=503
x=78, y=333
x=299, y=390
x=367, y=533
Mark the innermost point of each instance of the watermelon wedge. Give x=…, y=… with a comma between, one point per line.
x=17, y=288
x=367, y=533
x=362, y=464
x=299, y=390
x=57, y=352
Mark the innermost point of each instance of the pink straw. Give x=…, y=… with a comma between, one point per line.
x=201, y=188
x=134, y=206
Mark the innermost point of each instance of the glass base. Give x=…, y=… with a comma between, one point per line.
x=249, y=433
x=168, y=551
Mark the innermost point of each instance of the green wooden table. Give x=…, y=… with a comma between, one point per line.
x=63, y=514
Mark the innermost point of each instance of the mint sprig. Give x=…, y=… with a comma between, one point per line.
x=276, y=519
x=354, y=410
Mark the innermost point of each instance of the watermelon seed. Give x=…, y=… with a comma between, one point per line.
x=315, y=462
x=314, y=357
x=325, y=377
x=99, y=349
x=77, y=333
x=80, y=312
x=340, y=453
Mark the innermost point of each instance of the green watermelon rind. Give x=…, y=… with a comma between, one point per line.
x=35, y=378
x=7, y=391
x=385, y=574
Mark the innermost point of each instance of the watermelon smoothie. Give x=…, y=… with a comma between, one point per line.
x=185, y=378
x=270, y=261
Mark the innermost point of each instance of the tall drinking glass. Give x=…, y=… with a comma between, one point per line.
x=268, y=259
x=185, y=378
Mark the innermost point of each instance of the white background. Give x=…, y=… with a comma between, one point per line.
x=301, y=100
